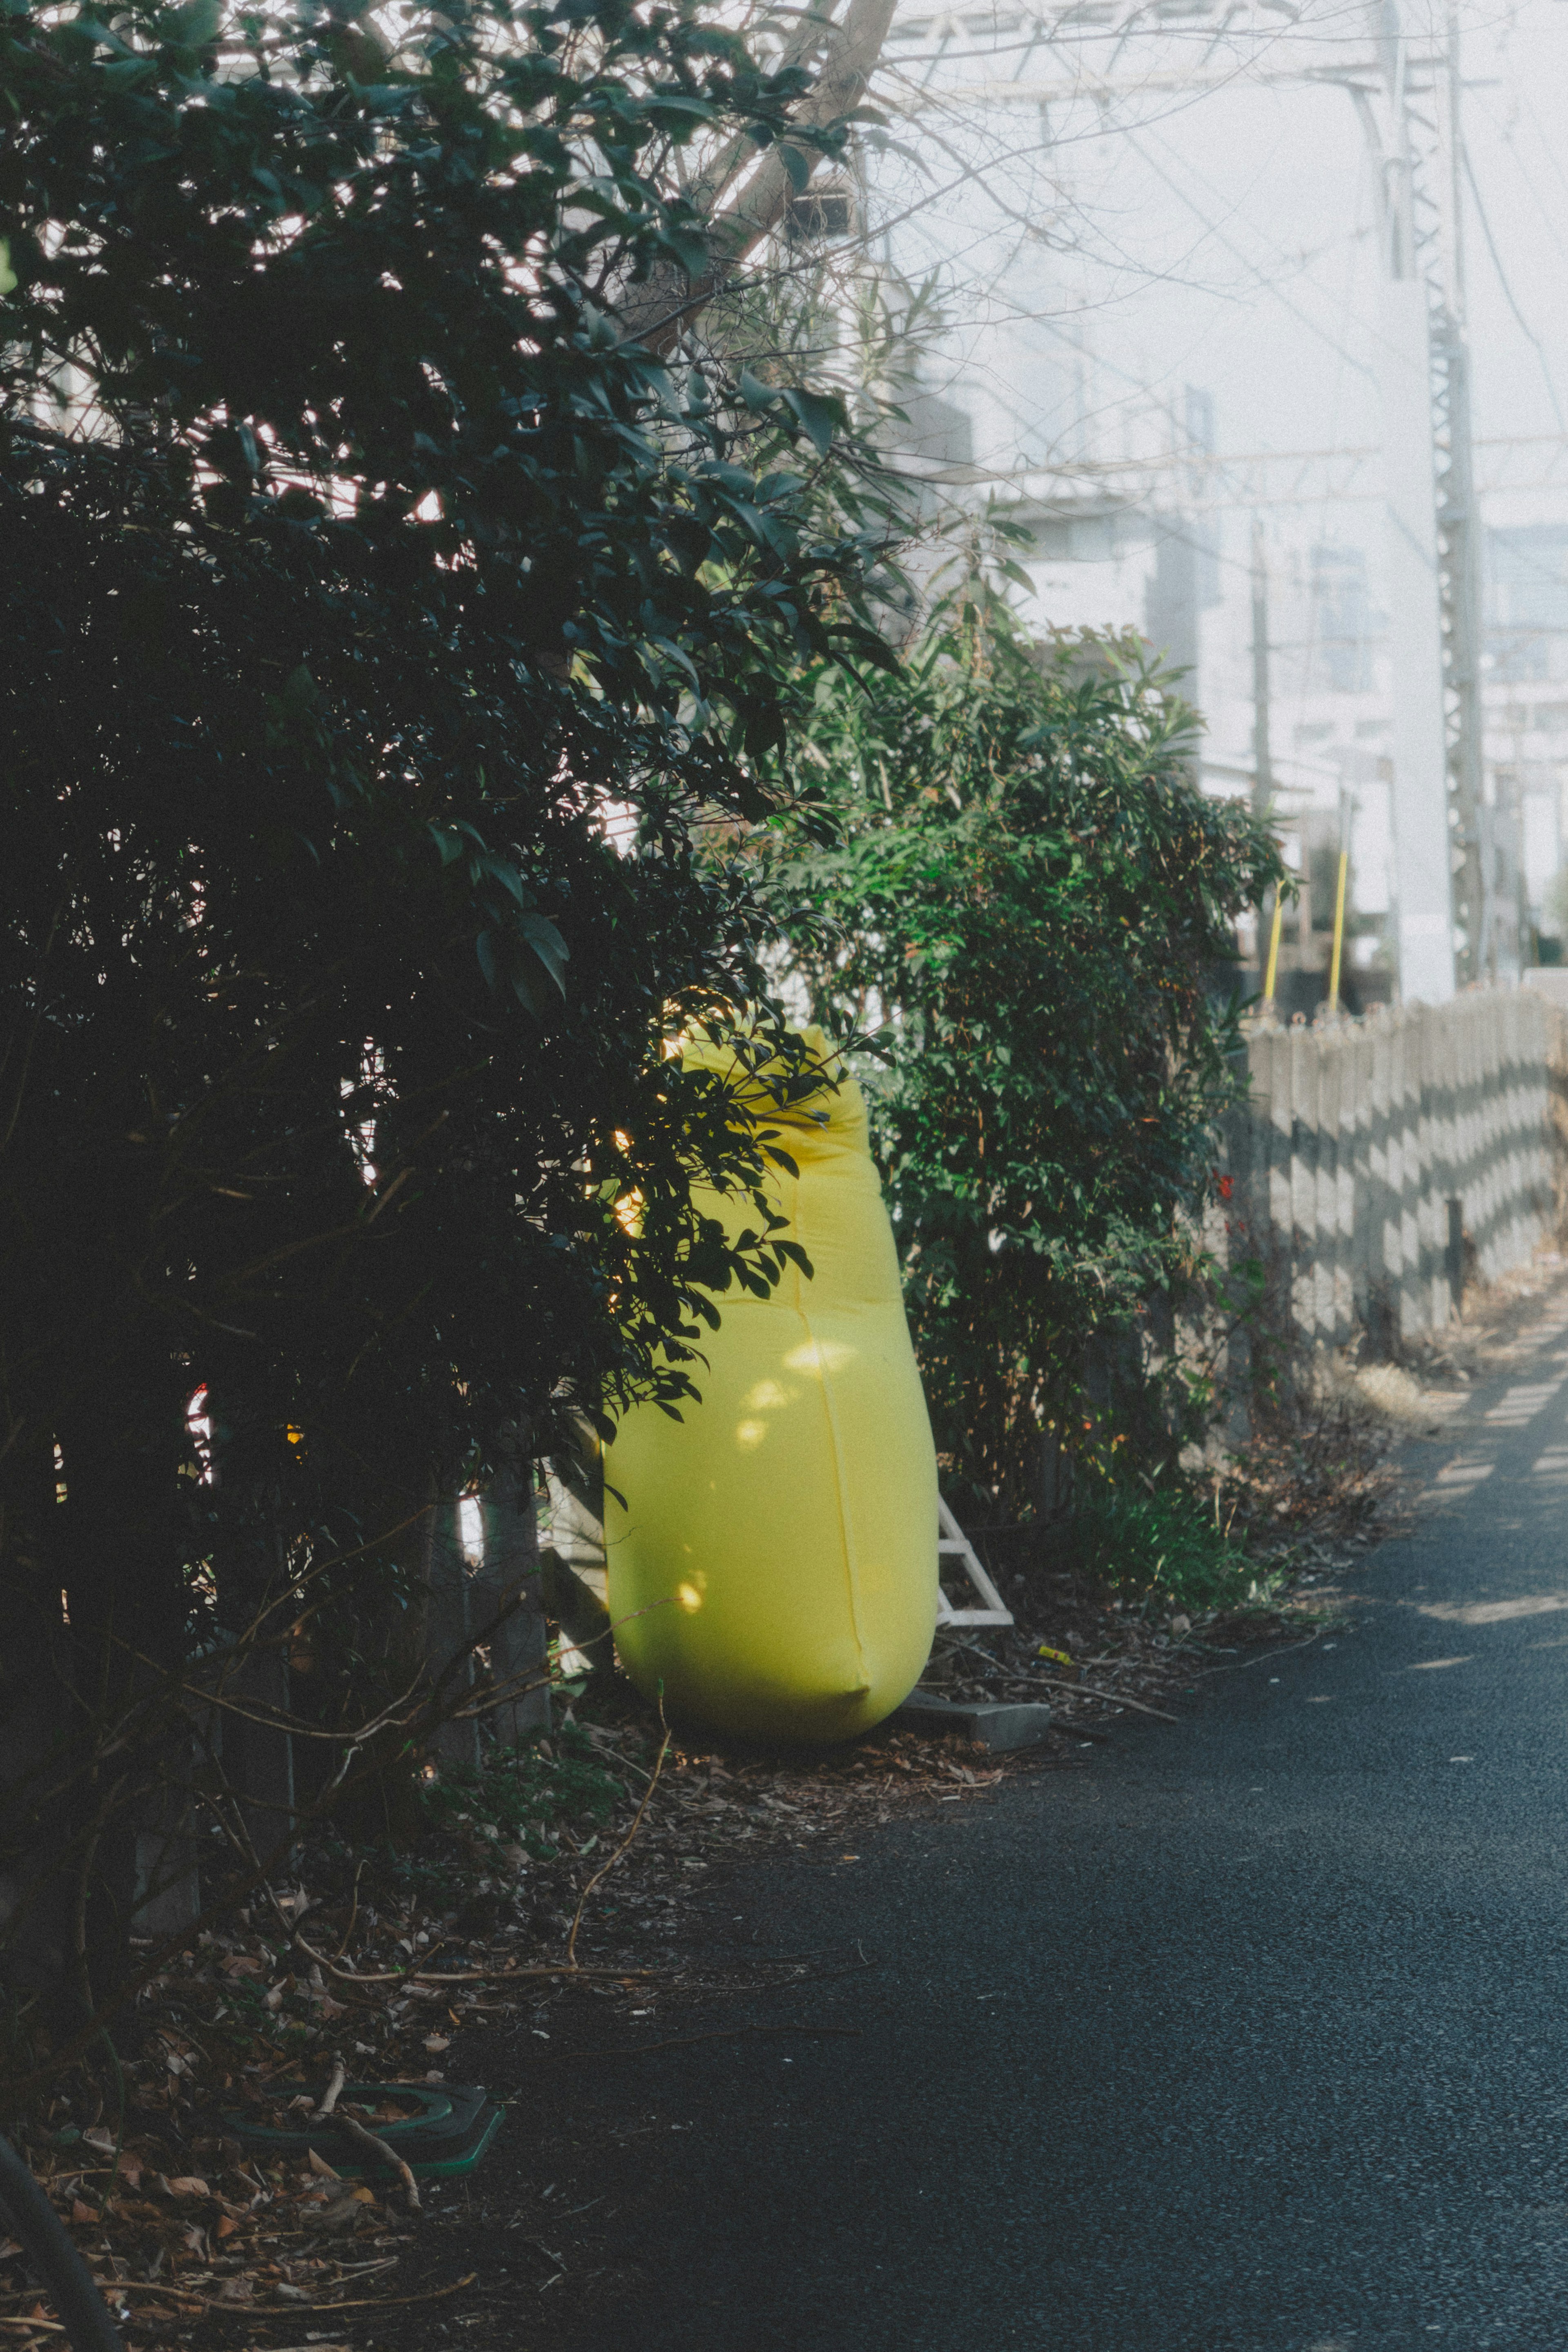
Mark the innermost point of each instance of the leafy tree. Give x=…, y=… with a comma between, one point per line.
x=379, y=617
x=1018, y=888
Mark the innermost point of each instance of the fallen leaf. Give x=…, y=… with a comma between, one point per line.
x=227, y=2225
x=341, y=2214
x=81, y=2212
x=186, y=2184
x=438, y=2041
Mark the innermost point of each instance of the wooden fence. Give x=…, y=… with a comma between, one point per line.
x=1382, y=1162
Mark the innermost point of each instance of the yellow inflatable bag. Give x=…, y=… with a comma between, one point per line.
x=773, y=1561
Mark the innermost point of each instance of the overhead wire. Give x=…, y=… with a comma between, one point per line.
x=929, y=96
x=1317, y=27
x=1305, y=318
x=1547, y=146
x=1541, y=206
x=982, y=171
x=998, y=307
x=985, y=172
x=1524, y=325
x=1101, y=362
x=1213, y=228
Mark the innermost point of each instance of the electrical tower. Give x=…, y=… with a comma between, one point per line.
x=1409, y=106
x=1403, y=79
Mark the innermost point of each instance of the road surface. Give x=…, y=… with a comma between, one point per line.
x=1250, y=2036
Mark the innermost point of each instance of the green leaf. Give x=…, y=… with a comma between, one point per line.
x=799, y=165
x=548, y=946
x=523, y=987
x=501, y=870
x=757, y=396
x=192, y=26
x=820, y=417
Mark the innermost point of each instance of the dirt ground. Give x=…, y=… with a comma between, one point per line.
x=624, y=1927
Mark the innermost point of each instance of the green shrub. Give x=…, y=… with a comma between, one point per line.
x=1015, y=882
x=525, y=1794
x=1159, y=1543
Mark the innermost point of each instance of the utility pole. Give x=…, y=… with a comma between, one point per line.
x=1262, y=751
x=1459, y=571
x=1262, y=747
x=1408, y=101
x=1408, y=91
x=1411, y=114
x=1422, y=371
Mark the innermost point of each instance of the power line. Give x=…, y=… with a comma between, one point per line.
x=1525, y=327
x=1537, y=199
x=1214, y=231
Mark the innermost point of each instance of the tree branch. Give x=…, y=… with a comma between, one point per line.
x=656, y=313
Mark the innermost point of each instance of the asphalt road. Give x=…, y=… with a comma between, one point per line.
x=1251, y=2034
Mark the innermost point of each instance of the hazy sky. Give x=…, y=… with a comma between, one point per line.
x=1228, y=243
x=1102, y=262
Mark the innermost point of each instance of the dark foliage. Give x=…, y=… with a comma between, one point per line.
x=378, y=620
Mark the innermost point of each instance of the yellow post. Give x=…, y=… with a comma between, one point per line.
x=1274, y=948
x=1338, y=931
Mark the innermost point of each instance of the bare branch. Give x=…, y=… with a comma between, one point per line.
x=657, y=313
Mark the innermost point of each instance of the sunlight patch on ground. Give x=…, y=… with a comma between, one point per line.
x=1394, y=1392
x=1523, y=1402
x=1465, y=1474
x=1494, y=1613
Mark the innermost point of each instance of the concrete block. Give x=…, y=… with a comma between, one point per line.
x=990, y=1723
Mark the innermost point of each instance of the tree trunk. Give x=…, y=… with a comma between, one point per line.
x=124, y=1534
x=658, y=312
x=256, y=1758
x=509, y=1574
x=35, y=1683
x=486, y=1626
x=449, y=1632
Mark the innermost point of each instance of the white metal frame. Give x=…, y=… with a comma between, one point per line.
x=953, y=1544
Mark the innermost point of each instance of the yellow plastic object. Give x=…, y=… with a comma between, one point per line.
x=774, y=1560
